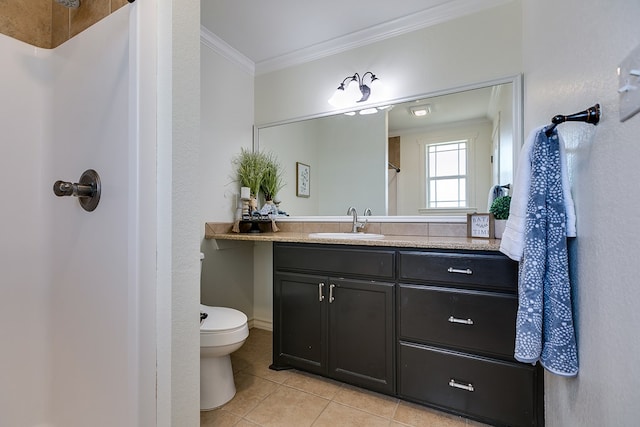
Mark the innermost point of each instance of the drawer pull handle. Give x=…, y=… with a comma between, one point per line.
x=454, y=384
x=320, y=294
x=459, y=271
x=331, y=298
x=462, y=321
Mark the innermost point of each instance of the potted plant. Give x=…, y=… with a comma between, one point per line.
x=272, y=180
x=250, y=170
x=500, y=210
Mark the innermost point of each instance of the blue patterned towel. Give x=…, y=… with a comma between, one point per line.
x=544, y=323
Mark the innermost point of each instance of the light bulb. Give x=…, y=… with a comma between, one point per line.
x=352, y=91
x=339, y=98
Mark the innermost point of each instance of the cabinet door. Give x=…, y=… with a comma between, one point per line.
x=300, y=318
x=361, y=333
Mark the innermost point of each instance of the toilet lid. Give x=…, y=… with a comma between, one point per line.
x=221, y=319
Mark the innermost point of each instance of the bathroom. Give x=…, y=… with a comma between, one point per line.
x=567, y=64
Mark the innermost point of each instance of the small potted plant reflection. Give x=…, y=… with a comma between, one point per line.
x=500, y=210
x=272, y=178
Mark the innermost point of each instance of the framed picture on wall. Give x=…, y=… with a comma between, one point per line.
x=303, y=179
x=480, y=225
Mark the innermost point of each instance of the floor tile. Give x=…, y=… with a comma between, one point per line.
x=419, y=416
x=287, y=407
x=259, y=367
x=374, y=403
x=218, y=418
x=250, y=391
x=245, y=423
x=313, y=384
x=344, y=416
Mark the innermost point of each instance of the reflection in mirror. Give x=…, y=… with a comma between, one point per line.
x=431, y=155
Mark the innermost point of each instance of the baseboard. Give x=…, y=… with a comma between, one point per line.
x=267, y=325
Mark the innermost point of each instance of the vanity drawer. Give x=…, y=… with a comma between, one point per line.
x=471, y=320
x=335, y=260
x=502, y=393
x=494, y=271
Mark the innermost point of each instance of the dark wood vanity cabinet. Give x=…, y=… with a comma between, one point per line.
x=432, y=327
x=456, y=330
x=333, y=313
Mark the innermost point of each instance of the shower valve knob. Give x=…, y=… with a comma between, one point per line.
x=87, y=190
x=61, y=188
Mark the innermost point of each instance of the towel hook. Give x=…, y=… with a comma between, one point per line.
x=590, y=115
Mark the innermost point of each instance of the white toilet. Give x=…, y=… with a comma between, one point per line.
x=222, y=331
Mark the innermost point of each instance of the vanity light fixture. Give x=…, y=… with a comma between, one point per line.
x=353, y=89
x=420, y=110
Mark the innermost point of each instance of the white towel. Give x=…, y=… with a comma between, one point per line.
x=494, y=193
x=512, y=243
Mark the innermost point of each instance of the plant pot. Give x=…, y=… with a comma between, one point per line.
x=498, y=227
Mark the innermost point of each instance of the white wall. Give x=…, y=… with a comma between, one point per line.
x=178, y=88
x=226, y=127
x=571, y=51
x=25, y=329
x=476, y=48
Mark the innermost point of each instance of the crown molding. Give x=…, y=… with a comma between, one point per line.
x=438, y=14
x=216, y=44
x=426, y=18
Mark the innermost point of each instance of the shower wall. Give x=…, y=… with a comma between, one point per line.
x=25, y=288
x=47, y=24
x=68, y=293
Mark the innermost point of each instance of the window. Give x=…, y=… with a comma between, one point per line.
x=446, y=174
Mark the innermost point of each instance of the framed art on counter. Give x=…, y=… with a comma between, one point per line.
x=480, y=225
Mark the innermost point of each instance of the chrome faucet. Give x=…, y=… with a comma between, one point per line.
x=356, y=225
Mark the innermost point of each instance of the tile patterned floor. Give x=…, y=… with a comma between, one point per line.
x=293, y=398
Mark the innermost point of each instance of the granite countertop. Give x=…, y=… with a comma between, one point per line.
x=430, y=242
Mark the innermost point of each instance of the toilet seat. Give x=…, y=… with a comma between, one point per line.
x=222, y=326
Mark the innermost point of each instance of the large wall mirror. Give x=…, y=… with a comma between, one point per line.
x=434, y=154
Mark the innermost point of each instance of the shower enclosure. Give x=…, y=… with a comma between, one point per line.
x=75, y=351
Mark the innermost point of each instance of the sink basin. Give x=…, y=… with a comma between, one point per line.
x=346, y=236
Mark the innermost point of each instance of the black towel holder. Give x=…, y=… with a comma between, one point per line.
x=590, y=115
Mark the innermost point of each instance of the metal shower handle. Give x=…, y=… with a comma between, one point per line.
x=87, y=190
x=63, y=188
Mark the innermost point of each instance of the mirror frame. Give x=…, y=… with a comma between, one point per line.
x=518, y=124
